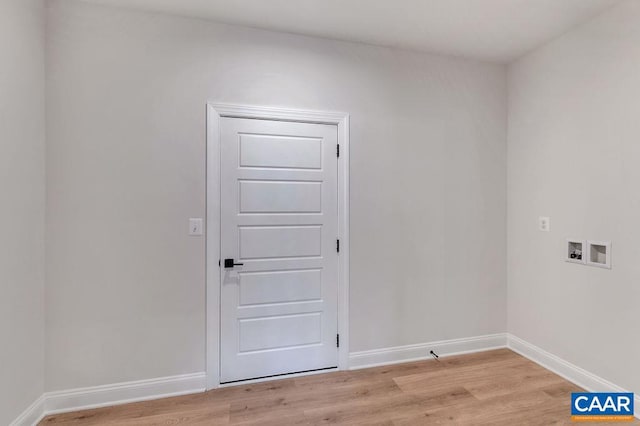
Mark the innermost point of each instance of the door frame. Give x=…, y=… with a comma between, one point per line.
x=216, y=111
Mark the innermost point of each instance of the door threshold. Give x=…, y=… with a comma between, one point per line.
x=278, y=376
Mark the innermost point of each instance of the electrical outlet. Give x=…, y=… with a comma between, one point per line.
x=544, y=223
x=195, y=226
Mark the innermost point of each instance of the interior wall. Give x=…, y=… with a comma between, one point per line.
x=22, y=152
x=126, y=169
x=573, y=155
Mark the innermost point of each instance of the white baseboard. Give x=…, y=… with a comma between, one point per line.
x=398, y=354
x=32, y=415
x=122, y=393
x=144, y=390
x=107, y=395
x=589, y=381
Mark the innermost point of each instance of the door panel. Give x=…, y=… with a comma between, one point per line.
x=264, y=150
x=279, y=219
x=278, y=332
x=280, y=286
x=280, y=197
x=280, y=241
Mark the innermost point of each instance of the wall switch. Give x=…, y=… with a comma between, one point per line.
x=544, y=223
x=195, y=226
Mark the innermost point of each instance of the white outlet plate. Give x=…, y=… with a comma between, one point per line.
x=544, y=223
x=195, y=226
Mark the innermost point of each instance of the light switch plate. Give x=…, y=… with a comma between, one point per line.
x=544, y=223
x=195, y=226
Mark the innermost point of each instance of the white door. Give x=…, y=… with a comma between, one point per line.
x=279, y=220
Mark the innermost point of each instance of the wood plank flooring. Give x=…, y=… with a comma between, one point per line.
x=489, y=388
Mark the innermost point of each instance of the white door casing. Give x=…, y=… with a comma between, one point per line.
x=281, y=205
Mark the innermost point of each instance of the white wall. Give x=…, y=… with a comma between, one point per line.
x=126, y=169
x=22, y=205
x=574, y=155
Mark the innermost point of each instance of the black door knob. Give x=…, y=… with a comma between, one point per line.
x=230, y=263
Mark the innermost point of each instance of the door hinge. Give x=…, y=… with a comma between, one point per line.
x=338, y=246
x=338, y=150
x=337, y=340
x=218, y=263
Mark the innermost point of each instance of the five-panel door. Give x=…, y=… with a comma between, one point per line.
x=279, y=224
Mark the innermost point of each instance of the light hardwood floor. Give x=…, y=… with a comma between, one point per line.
x=489, y=388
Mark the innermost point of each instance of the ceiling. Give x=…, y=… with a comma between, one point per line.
x=492, y=30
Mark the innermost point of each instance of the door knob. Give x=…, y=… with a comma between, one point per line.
x=230, y=263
